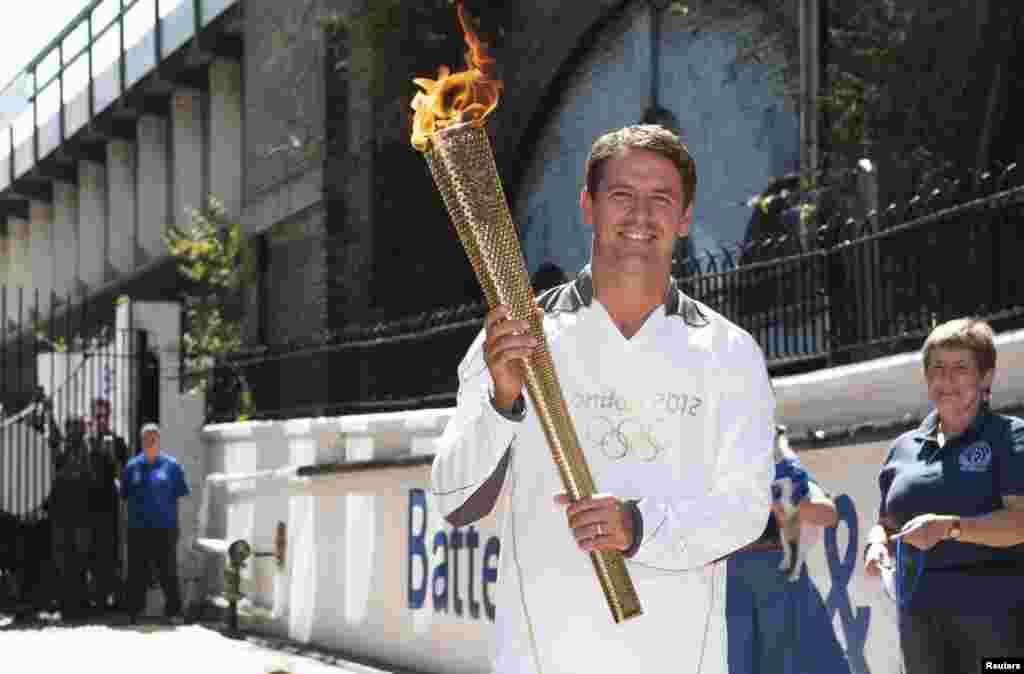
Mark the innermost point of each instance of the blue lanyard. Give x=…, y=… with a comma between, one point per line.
x=903, y=597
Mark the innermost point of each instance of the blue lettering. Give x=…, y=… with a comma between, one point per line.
x=472, y=543
x=417, y=550
x=490, y=573
x=440, y=580
x=444, y=555
x=455, y=541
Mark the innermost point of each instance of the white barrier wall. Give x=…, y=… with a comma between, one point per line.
x=373, y=571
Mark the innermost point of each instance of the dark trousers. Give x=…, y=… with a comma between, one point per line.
x=946, y=643
x=102, y=562
x=71, y=543
x=153, y=549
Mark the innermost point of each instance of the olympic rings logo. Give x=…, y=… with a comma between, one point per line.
x=628, y=437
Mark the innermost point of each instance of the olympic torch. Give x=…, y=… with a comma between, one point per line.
x=448, y=128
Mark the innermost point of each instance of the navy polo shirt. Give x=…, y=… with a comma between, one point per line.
x=967, y=477
x=152, y=491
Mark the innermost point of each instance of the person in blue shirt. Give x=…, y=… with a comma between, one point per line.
x=151, y=485
x=952, y=499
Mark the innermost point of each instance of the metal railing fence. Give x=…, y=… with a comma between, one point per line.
x=853, y=290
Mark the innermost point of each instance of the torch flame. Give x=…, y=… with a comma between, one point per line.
x=453, y=98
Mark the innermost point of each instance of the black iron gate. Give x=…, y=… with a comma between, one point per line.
x=68, y=386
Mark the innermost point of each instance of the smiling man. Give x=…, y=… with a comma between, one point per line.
x=673, y=407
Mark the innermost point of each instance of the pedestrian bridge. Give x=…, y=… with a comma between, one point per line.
x=130, y=117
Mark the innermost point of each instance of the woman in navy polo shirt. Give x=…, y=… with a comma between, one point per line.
x=953, y=495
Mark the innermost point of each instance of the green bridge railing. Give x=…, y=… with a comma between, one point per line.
x=93, y=61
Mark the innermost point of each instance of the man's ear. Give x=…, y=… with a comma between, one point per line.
x=986, y=380
x=587, y=206
x=684, y=223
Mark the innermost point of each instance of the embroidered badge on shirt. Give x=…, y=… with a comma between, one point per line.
x=976, y=458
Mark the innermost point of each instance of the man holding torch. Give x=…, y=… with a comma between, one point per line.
x=674, y=411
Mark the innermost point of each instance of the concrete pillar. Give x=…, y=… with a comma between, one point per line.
x=41, y=247
x=187, y=154
x=5, y=258
x=153, y=188
x=225, y=146
x=122, y=230
x=21, y=252
x=6, y=263
x=92, y=221
x=18, y=269
x=65, y=239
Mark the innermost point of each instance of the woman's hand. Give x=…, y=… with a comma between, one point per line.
x=875, y=558
x=925, y=531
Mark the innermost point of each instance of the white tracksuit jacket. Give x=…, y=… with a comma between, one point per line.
x=679, y=417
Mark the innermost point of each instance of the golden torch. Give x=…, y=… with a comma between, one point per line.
x=448, y=127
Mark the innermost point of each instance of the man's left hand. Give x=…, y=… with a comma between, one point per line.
x=601, y=522
x=925, y=531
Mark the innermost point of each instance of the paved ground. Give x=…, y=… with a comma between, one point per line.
x=155, y=648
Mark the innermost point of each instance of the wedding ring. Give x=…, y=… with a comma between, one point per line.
x=600, y=530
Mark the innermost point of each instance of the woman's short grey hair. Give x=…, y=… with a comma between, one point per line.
x=972, y=334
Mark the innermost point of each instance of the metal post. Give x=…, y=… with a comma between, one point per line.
x=88, y=47
x=35, y=116
x=19, y=345
x=60, y=84
x=158, y=40
x=10, y=157
x=123, y=67
x=38, y=475
x=810, y=83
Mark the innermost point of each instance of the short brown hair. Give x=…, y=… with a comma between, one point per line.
x=652, y=137
x=972, y=334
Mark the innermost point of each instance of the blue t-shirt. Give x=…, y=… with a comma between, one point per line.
x=967, y=477
x=152, y=491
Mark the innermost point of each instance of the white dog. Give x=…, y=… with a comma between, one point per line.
x=793, y=554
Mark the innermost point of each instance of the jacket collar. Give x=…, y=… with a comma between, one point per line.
x=929, y=428
x=572, y=296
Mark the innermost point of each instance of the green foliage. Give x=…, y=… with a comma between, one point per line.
x=208, y=248
x=679, y=8
x=845, y=104
x=210, y=252
x=865, y=70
